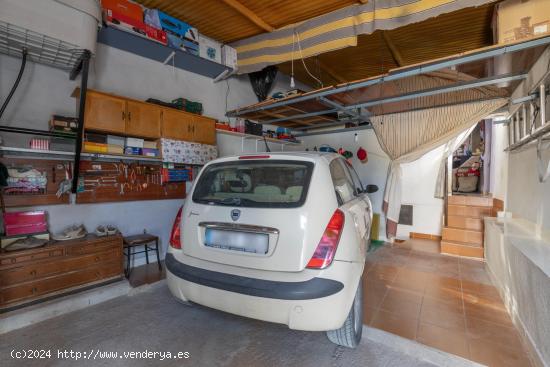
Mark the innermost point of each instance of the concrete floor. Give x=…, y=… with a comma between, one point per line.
x=153, y=320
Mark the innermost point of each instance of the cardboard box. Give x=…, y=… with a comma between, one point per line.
x=151, y=144
x=91, y=147
x=115, y=149
x=210, y=49
x=124, y=15
x=134, y=142
x=116, y=140
x=132, y=151
x=150, y=152
x=179, y=34
x=229, y=56
x=522, y=19
x=21, y=223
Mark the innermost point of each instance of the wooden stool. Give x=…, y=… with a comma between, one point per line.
x=140, y=240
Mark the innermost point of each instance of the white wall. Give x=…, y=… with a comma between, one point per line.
x=499, y=161
x=44, y=91
x=372, y=172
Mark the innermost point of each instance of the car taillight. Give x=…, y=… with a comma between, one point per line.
x=175, y=236
x=324, y=253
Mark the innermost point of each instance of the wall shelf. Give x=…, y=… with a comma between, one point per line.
x=257, y=139
x=61, y=155
x=155, y=51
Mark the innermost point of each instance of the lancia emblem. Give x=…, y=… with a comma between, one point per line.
x=235, y=214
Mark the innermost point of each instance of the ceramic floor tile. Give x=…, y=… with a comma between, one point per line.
x=494, y=355
x=396, y=324
x=442, y=317
x=478, y=329
x=446, y=340
x=401, y=304
x=445, y=302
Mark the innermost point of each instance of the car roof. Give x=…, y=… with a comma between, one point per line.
x=290, y=155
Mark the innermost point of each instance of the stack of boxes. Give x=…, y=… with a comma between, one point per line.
x=158, y=26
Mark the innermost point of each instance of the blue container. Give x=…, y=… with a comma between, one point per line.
x=180, y=35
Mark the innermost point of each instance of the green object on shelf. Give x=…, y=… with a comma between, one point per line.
x=187, y=105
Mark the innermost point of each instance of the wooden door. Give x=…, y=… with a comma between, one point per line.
x=105, y=113
x=143, y=120
x=176, y=125
x=204, y=130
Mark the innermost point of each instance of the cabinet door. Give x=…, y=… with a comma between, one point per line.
x=105, y=113
x=204, y=130
x=176, y=125
x=143, y=120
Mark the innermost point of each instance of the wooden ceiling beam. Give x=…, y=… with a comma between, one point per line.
x=332, y=73
x=397, y=57
x=249, y=14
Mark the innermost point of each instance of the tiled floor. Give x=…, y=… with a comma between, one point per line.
x=441, y=301
x=146, y=274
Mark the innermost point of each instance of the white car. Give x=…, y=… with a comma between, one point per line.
x=279, y=237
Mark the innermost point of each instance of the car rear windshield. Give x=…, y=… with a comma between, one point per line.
x=258, y=184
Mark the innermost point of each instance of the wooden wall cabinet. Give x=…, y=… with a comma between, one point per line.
x=118, y=115
x=176, y=125
x=123, y=116
x=204, y=130
x=142, y=119
x=105, y=113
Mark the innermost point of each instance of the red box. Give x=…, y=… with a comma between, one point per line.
x=122, y=8
x=18, y=223
x=156, y=34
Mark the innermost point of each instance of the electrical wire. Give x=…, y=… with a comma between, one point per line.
x=14, y=87
x=303, y=61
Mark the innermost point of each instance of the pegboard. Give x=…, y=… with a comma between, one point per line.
x=117, y=181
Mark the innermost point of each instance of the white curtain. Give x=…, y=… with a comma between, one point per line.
x=407, y=136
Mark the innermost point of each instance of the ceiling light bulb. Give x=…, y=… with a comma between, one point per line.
x=292, y=84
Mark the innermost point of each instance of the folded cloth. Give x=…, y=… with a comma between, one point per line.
x=24, y=172
x=26, y=243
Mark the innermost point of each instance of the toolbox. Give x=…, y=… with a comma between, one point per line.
x=19, y=223
x=179, y=34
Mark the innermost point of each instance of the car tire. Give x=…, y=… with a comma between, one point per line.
x=349, y=335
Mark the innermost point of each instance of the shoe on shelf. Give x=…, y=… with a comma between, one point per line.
x=112, y=230
x=71, y=233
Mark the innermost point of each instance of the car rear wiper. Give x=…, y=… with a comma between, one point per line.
x=236, y=201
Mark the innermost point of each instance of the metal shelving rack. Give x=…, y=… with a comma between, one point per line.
x=58, y=54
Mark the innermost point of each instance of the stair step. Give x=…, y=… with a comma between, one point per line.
x=463, y=235
x=470, y=200
x=475, y=224
x=469, y=211
x=461, y=249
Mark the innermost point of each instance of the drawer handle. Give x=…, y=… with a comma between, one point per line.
x=97, y=258
x=34, y=290
x=123, y=115
x=33, y=273
x=97, y=274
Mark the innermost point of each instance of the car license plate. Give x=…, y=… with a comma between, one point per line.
x=257, y=243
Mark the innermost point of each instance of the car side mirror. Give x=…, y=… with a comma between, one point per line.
x=371, y=189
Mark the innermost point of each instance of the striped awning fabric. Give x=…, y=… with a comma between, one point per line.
x=338, y=29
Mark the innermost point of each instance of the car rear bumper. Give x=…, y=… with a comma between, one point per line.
x=304, y=290
x=314, y=304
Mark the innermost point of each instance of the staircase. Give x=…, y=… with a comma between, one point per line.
x=463, y=235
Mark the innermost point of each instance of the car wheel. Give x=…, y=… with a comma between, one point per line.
x=349, y=335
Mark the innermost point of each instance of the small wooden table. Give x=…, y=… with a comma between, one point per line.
x=140, y=240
